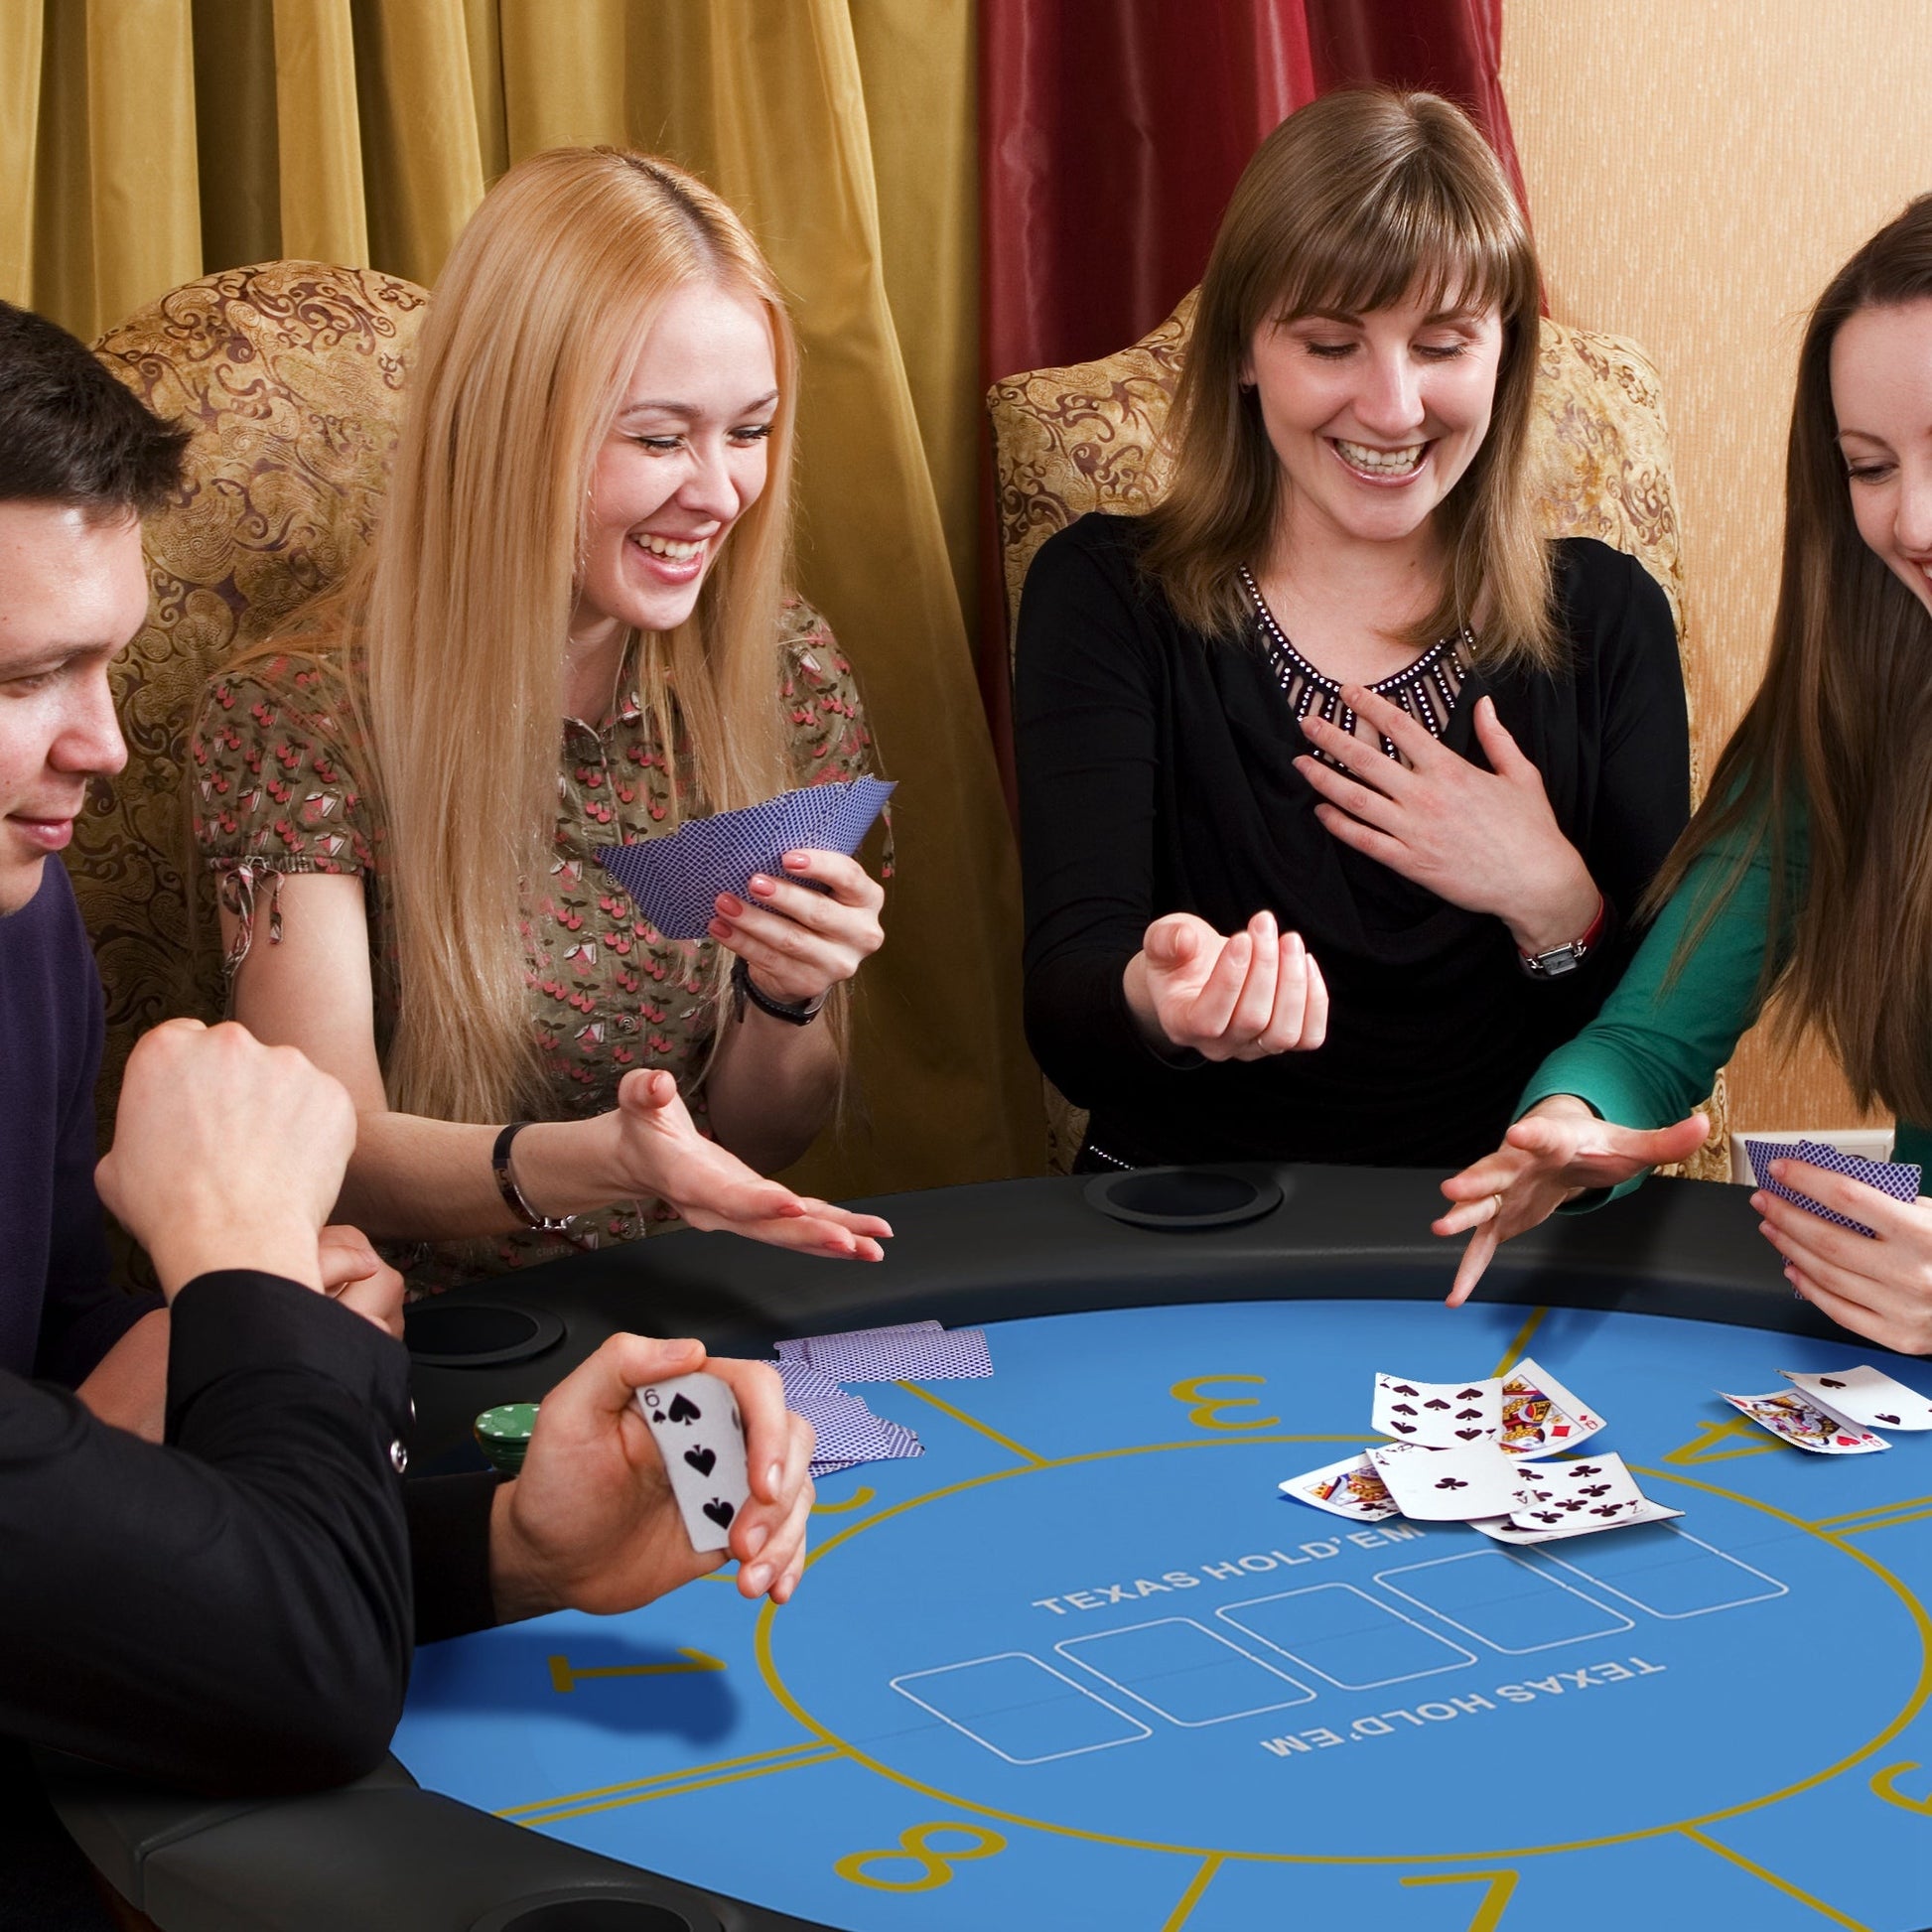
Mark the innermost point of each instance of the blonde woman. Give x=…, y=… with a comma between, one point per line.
x=572, y=630
x=1338, y=785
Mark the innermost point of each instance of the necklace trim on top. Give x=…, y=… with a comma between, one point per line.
x=1427, y=689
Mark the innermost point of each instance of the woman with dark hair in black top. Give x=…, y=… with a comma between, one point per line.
x=1338, y=784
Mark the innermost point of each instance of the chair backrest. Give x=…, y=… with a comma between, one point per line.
x=290, y=378
x=1090, y=437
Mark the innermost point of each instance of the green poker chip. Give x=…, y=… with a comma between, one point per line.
x=503, y=1434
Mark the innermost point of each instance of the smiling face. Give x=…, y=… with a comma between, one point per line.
x=1881, y=393
x=684, y=458
x=1375, y=417
x=72, y=592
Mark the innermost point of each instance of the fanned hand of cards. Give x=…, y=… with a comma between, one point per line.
x=675, y=880
x=1832, y=1412
x=1465, y=1453
x=1899, y=1178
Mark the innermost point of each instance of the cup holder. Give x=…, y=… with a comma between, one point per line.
x=1184, y=1200
x=447, y=1333
x=592, y=1911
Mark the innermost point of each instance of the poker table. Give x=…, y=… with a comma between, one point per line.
x=1081, y=1664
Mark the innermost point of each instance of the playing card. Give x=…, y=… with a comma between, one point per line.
x=1506, y=1530
x=1438, y=1415
x=1792, y=1418
x=675, y=879
x=1897, y=1179
x=927, y=1354
x=1351, y=1487
x=695, y=1424
x=1863, y=1397
x=1593, y=1491
x=1448, y=1485
x=1540, y=1415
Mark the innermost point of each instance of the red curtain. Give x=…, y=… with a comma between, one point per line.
x=1111, y=135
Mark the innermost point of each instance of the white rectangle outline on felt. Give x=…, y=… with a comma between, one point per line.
x=1227, y=1611
x=1436, y=1563
x=1677, y=1616
x=1026, y=1656
x=1073, y=1644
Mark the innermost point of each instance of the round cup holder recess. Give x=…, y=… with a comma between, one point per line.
x=1182, y=1200
x=595, y=1911
x=447, y=1333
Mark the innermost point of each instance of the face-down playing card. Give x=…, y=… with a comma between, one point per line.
x=1790, y=1417
x=675, y=879
x=1448, y=1485
x=1897, y=1179
x=1437, y=1415
x=1540, y=1415
x=1352, y=1487
x=694, y=1422
x=1866, y=1397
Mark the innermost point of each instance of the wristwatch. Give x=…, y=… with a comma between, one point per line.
x=1560, y=960
x=794, y=1013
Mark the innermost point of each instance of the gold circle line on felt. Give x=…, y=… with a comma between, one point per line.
x=774, y=1683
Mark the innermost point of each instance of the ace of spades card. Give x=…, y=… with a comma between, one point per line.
x=1437, y=1415
x=1540, y=1415
x=1865, y=1395
x=694, y=1422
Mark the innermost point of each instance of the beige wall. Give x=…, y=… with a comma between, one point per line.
x=1697, y=168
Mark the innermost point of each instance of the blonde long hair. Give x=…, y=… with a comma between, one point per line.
x=1357, y=202
x=457, y=617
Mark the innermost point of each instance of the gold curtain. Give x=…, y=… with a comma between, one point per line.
x=151, y=141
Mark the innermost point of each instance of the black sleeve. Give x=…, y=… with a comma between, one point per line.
x=1087, y=749
x=448, y=1554
x=232, y=1611
x=82, y=1314
x=1643, y=789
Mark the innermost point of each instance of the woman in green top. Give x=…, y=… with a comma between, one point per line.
x=1809, y=868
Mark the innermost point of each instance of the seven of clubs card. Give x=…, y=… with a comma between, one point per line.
x=695, y=1424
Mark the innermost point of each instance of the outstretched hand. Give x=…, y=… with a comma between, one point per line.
x=662, y=1152
x=1244, y=997
x=1556, y=1151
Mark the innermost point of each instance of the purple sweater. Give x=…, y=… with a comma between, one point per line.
x=59, y=1311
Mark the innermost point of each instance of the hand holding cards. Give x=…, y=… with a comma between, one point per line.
x=676, y=880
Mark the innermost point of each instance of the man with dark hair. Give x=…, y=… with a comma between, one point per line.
x=230, y=1604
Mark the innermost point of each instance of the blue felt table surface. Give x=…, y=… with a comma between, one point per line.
x=1081, y=1663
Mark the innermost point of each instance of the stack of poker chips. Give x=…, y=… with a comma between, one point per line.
x=815, y=1369
x=1476, y=1452
x=503, y=1434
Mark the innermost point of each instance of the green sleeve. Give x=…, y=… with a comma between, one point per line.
x=1654, y=1051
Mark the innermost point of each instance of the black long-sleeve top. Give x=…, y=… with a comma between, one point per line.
x=1155, y=775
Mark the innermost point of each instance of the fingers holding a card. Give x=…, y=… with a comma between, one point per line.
x=650, y=1467
x=1556, y=1151
x=661, y=1152
x=798, y=942
x=1878, y=1284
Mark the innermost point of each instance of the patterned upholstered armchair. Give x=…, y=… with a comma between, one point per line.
x=1089, y=438
x=290, y=378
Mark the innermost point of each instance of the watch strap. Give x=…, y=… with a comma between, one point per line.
x=744, y=987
